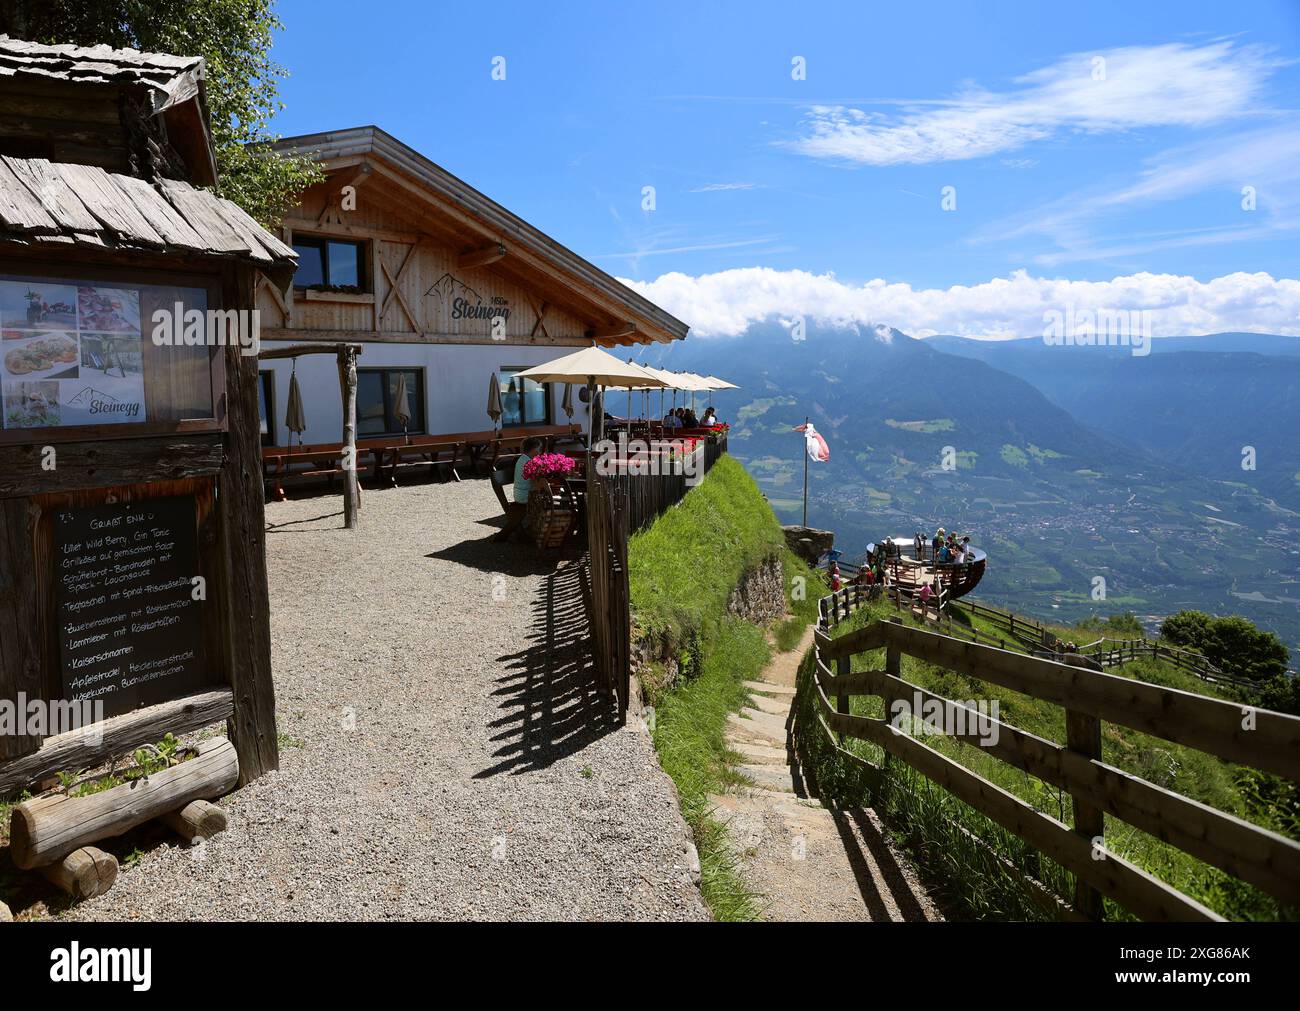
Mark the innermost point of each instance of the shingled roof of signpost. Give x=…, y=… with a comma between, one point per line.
x=57, y=203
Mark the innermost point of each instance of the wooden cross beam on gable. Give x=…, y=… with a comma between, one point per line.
x=395, y=291
x=481, y=257
x=332, y=212
x=264, y=285
x=541, y=315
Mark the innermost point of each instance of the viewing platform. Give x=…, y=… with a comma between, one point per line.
x=909, y=572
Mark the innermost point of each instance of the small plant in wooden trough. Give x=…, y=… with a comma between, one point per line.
x=53, y=833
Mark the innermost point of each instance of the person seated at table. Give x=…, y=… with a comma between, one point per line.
x=710, y=418
x=671, y=420
x=518, y=509
x=689, y=420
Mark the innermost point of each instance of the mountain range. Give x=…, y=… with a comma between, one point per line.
x=1080, y=470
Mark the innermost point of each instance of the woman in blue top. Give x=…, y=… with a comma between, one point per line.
x=518, y=509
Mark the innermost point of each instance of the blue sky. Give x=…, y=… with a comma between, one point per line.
x=1083, y=143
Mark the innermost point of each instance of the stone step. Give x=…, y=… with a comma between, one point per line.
x=774, y=796
x=769, y=720
x=777, y=707
x=769, y=777
x=767, y=688
x=764, y=754
x=763, y=729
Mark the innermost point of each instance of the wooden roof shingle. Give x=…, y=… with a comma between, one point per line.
x=49, y=203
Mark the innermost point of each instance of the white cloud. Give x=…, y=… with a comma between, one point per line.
x=1166, y=85
x=720, y=187
x=1267, y=159
x=725, y=303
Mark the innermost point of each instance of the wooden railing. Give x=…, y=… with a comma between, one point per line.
x=609, y=616
x=1105, y=652
x=618, y=505
x=1265, y=859
x=648, y=495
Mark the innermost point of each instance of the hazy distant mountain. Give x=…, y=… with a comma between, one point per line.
x=1259, y=343
x=1196, y=408
x=1070, y=464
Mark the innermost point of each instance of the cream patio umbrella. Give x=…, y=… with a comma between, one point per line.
x=593, y=367
x=718, y=384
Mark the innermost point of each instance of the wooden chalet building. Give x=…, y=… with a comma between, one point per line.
x=435, y=282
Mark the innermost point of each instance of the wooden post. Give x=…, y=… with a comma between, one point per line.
x=1083, y=734
x=348, y=382
x=843, y=667
x=245, y=603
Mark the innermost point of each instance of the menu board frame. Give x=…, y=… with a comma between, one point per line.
x=202, y=492
x=51, y=272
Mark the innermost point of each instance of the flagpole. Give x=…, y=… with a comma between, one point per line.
x=805, y=478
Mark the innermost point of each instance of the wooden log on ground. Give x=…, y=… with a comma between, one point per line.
x=84, y=873
x=86, y=747
x=47, y=829
x=198, y=819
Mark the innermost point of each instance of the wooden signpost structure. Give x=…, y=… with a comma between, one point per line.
x=132, y=540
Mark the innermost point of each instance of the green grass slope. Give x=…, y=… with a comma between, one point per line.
x=681, y=572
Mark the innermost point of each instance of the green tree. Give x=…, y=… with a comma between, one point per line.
x=1188, y=629
x=1233, y=644
x=234, y=37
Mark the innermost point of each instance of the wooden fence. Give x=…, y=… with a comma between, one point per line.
x=618, y=505
x=608, y=614
x=1104, y=651
x=1268, y=861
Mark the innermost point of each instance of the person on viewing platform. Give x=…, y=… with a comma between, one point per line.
x=710, y=418
x=918, y=545
x=937, y=543
x=944, y=554
x=836, y=582
x=518, y=509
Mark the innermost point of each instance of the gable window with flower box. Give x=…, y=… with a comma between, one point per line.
x=332, y=269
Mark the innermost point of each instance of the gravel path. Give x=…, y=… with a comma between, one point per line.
x=443, y=751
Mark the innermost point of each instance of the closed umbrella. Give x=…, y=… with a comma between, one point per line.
x=567, y=405
x=295, y=418
x=494, y=399
x=402, y=404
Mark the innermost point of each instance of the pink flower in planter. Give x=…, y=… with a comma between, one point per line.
x=547, y=465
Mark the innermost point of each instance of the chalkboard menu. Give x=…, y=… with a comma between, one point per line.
x=130, y=626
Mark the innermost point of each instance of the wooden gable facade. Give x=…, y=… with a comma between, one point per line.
x=441, y=263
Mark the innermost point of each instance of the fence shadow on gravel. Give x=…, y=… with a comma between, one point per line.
x=551, y=702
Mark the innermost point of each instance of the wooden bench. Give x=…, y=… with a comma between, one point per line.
x=281, y=464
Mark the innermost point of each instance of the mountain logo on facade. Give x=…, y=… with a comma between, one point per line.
x=466, y=303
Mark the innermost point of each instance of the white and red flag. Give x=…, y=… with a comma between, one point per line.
x=818, y=451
